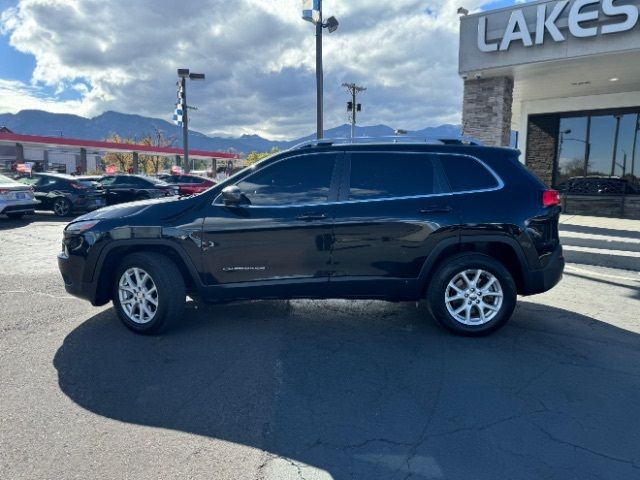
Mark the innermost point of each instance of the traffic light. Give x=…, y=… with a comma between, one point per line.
x=349, y=106
x=359, y=107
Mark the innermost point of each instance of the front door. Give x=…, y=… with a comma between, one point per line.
x=278, y=243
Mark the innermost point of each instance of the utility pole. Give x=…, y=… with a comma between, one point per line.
x=352, y=106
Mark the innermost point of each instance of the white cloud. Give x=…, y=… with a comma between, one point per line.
x=258, y=57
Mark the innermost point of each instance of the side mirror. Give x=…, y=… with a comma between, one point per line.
x=232, y=195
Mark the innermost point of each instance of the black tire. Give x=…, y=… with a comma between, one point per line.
x=61, y=207
x=452, y=268
x=142, y=196
x=170, y=288
x=15, y=216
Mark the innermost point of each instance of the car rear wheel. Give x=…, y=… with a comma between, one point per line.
x=61, y=207
x=472, y=294
x=143, y=196
x=149, y=292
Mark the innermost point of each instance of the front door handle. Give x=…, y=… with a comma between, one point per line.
x=311, y=216
x=436, y=209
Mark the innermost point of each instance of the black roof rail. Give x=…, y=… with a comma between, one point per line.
x=399, y=139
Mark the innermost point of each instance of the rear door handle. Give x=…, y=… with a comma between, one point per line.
x=311, y=216
x=436, y=209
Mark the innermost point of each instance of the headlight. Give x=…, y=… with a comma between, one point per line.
x=79, y=227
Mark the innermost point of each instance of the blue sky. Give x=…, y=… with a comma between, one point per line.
x=90, y=56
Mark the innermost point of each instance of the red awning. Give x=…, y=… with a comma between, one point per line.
x=94, y=145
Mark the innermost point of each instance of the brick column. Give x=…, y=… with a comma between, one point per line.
x=542, y=145
x=486, y=110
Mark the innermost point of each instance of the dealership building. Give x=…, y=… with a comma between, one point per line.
x=564, y=75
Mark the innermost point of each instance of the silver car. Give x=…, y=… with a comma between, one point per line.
x=16, y=199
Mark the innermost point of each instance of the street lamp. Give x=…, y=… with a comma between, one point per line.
x=183, y=74
x=587, y=147
x=312, y=12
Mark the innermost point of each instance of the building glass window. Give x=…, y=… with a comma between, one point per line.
x=599, y=144
x=601, y=140
x=572, y=150
x=624, y=150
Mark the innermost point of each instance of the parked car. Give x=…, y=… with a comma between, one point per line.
x=188, y=184
x=598, y=185
x=16, y=199
x=127, y=188
x=467, y=228
x=90, y=178
x=64, y=194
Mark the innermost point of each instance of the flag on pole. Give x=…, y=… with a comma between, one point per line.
x=178, y=116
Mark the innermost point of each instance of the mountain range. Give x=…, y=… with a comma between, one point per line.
x=38, y=122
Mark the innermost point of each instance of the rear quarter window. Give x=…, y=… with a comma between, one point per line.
x=467, y=174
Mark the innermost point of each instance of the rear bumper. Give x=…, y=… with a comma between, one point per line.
x=23, y=206
x=544, y=279
x=90, y=203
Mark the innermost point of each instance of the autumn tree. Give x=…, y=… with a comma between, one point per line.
x=254, y=156
x=150, y=164
x=123, y=160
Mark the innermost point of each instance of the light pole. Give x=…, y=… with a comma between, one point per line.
x=587, y=147
x=183, y=73
x=312, y=12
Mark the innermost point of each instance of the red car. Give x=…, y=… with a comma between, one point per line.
x=188, y=184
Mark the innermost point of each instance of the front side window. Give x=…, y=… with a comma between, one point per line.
x=299, y=180
x=389, y=175
x=466, y=174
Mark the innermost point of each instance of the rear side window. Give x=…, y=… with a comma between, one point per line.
x=389, y=175
x=466, y=173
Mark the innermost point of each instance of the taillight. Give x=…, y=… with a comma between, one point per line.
x=550, y=198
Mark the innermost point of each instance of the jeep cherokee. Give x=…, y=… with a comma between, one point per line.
x=466, y=227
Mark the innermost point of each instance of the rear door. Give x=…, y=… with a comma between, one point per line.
x=279, y=241
x=394, y=208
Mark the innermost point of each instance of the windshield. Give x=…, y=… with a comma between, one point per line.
x=155, y=181
x=29, y=180
x=6, y=181
x=107, y=180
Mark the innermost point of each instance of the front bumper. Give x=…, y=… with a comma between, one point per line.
x=72, y=268
x=544, y=279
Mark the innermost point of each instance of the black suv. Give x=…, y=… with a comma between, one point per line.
x=65, y=194
x=466, y=227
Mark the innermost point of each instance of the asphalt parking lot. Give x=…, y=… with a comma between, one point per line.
x=314, y=389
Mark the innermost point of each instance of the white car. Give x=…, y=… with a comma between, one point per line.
x=16, y=199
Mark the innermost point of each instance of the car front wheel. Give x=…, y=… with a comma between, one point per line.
x=149, y=292
x=472, y=294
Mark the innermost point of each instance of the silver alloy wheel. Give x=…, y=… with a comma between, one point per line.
x=474, y=297
x=61, y=207
x=138, y=295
